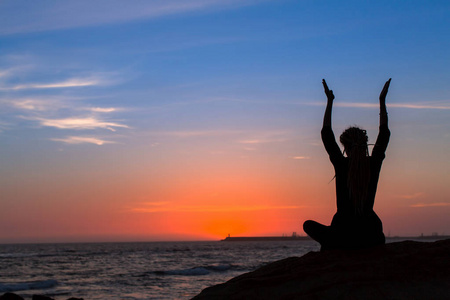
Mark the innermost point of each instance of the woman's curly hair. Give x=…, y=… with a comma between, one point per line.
x=355, y=141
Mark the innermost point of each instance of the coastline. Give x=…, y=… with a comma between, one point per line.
x=265, y=238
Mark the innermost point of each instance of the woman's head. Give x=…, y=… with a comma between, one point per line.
x=354, y=139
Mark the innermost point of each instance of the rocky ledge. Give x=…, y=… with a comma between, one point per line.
x=403, y=270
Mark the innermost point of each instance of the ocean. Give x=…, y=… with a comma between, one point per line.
x=147, y=270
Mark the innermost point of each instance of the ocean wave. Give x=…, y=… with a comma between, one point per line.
x=22, y=255
x=196, y=271
x=17, y=255
x=31, y=285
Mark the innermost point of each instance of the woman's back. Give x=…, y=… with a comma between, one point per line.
x=341, y=166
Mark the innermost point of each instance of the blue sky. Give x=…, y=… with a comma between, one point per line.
x=85, y=83
x=154, y=54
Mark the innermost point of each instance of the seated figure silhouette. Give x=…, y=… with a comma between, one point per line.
x=355, y=224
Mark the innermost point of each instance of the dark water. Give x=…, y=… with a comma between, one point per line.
x=166, y=270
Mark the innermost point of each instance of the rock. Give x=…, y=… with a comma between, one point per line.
x=10, y=296
x=403, y=270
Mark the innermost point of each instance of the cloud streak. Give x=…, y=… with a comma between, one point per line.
x=263, y=141
x=44, y=104
x=70, y=83
x=412, y=196
x=266, y=137
x=35, y=104
x=438, y=204
x=103, y=109
x=80, y=123
x=82, y=140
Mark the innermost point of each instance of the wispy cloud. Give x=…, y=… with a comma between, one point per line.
x=69, y=83
x=56, y=111
x=266, y=137
x=166, y=207
x=412, y=196
x=34, y=104
x=23, y=16
x=301, y=157
x=439, y=204
x=262, y=141
x=82, y=140
x=53, y=103
x=102, y=109
x=80, y=123
x=251, y=142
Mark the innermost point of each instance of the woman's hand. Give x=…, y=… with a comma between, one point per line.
x=329, y=92
x=383, y=112
x=385, y=91
x=330, y=96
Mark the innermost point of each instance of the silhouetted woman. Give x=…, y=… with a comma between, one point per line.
x=355, y=224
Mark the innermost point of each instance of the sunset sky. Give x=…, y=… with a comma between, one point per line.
x=194, y=119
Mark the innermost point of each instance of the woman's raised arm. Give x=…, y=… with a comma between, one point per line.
x=328, y=139
x=383, y=135
x=330, y=97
